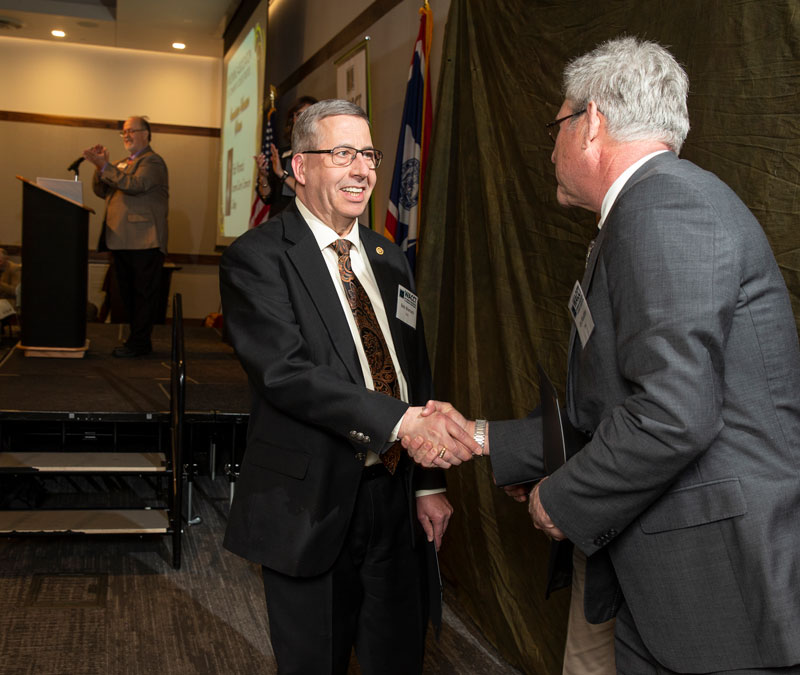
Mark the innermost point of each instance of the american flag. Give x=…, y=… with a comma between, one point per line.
x=259, y=211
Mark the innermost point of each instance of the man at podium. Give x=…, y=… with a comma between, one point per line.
x=136, y=191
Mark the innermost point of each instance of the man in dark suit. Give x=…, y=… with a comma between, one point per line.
x=684, y=371
x=136, y=190
x=318, y=503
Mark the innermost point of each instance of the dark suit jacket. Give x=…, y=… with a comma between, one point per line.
x=137, y=198
x=687, y=497
x=312, y=419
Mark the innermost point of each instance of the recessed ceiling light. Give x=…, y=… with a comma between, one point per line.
x=178, y=45
x=58, y=33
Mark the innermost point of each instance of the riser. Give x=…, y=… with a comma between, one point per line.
x=88, y=521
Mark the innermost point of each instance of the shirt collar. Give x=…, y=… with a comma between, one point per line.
x=617, y=185
x=325, y=235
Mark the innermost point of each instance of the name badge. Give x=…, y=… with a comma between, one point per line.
x=581, y=315
x=122, y=165
x=407, y=307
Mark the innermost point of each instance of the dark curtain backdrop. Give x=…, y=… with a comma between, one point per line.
x=499, y=256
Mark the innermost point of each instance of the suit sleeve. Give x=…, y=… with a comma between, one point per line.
x=672, y=285
x=286, y=368
x=516, y=449
x=100, y=188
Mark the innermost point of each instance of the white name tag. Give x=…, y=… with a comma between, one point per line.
x=581, y=315
x=407, y=306
x=122, y=165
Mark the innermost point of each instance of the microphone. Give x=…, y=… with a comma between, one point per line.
x=74, y=166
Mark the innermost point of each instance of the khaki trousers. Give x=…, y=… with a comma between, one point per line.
x=590, y=647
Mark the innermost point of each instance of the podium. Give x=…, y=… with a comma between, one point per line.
x=55, y=244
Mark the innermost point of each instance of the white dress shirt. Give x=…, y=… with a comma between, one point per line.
x=325, y=236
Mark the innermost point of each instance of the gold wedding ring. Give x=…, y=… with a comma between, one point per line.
x=442, y=450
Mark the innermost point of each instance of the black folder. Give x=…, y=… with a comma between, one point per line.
x=554, y=449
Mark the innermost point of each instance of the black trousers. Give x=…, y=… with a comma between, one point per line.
x=371, y=599
x=139, y=278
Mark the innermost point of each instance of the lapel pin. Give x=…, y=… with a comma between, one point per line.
x=379, y=250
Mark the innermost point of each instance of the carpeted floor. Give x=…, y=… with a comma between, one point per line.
x=99, y=606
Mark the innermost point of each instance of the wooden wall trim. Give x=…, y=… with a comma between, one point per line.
x=99, y=123
x=175, y=258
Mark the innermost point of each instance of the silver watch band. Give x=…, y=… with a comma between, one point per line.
x=480, y=433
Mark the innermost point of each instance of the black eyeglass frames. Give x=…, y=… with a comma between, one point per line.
x=553, y=127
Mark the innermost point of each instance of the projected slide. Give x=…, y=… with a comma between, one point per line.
x=240, y=132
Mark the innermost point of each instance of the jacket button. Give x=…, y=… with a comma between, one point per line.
x=353, y=434
x=361, y=456
x=366, y=439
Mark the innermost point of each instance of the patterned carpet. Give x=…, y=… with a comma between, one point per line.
x=98, y=606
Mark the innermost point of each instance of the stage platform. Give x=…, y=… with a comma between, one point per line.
x=100, y=387
x=95, y=432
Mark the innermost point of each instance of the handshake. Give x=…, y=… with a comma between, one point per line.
x=437, y=435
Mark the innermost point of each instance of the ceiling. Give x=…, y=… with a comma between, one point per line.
x=131, y=24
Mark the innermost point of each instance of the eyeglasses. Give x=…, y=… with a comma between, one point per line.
x=343, y=155
x=554, y=126
x=129, y=132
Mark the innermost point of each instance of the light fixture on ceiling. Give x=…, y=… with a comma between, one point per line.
x=178, y=45
x=58, y=33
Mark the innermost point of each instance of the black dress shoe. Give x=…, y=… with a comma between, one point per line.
x=126, y=352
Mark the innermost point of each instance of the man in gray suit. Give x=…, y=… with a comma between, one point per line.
x=684, y=373
x=134, y=227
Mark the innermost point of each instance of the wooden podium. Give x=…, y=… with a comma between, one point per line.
x=55, y=244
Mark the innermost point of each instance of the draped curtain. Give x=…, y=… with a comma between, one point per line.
x=499, y=256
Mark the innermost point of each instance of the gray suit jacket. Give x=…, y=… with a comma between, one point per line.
x=687, y=496
x=137, y=198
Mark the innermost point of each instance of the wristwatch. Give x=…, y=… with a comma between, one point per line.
x=480, y=433
x=285, y=175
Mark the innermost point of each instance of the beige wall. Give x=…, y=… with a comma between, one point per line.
x=41, y=76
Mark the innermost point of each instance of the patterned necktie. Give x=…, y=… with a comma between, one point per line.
x=384, y=377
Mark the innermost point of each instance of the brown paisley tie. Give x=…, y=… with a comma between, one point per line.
x=381, y=367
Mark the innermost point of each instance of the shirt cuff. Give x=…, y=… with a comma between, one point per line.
x=425, y=493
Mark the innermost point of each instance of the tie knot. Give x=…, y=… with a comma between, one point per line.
x=342, y=247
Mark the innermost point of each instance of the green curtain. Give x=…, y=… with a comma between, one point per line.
x=498, y=255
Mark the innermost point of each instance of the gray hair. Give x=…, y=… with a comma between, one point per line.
x=638, y=86
x=305, y=132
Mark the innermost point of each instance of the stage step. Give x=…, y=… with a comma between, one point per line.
x=82, y=462
x=85, y=521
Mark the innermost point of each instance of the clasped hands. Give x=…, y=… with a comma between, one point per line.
x=97, y=155
x=437, y=435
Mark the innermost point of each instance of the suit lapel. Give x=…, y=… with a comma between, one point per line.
x=586, y=282
x=651, y=165
x=307, y=260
